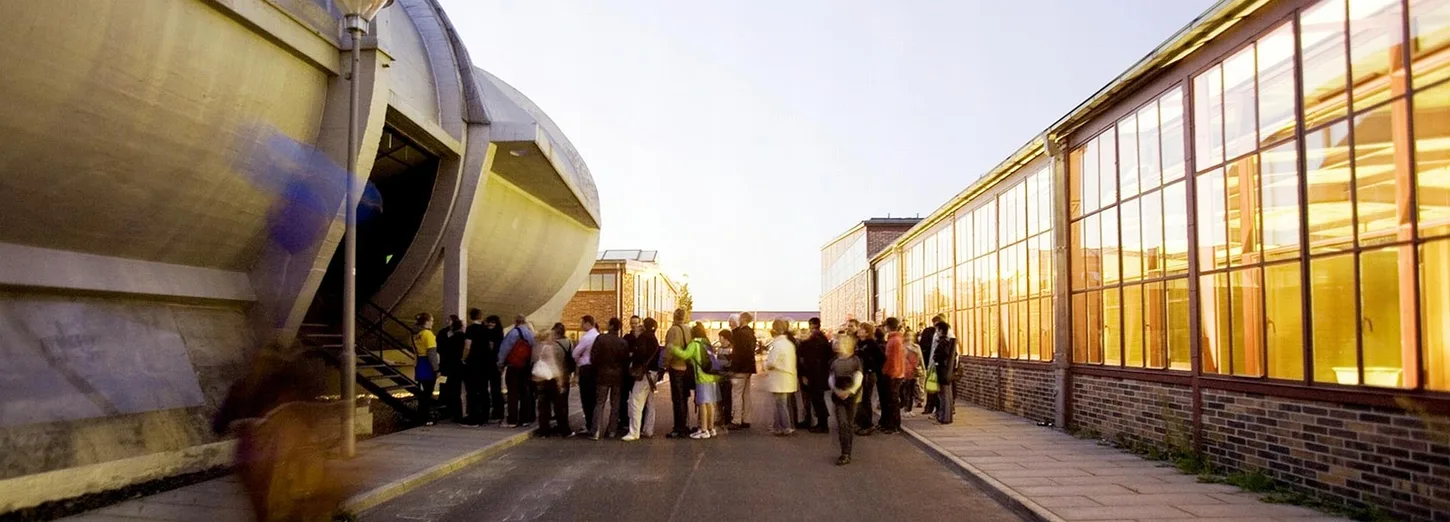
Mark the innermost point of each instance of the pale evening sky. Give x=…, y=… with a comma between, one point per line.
x=737, y=138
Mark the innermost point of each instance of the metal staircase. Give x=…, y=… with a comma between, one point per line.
x=376, y=373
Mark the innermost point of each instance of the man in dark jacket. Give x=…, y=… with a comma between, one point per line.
x=924, y=340
x=815, y=367
x=944, y=354
x=610, y=358
x=742, y=369
x=873, y=357
x=450, y=350
x=481, y=376
x=626, y=382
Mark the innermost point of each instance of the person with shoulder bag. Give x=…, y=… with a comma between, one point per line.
x=515, y=359
x=939, y=376
x=548, y=376
x=643, y=368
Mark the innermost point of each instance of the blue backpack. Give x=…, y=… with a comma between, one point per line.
x=711, y=363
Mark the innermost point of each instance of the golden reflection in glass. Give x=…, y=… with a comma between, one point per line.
x=1435, y=312
x=1239, y=103
x=1107, y=169
x=1381, y=173
x=1155, y=325
x=1170, y=117
x=1175, y=228
x=1078, y=271
x=1430, y=40
x=1152, y=230
x=1387, y=341
x=1432, y=159
x=1241, y=212
x=1093, y=316
x=1208, y=113
x=1284, y=327
x=1033, y=268
x=1376, y=32
x=990, y=331
x=1112, y=273
x=1212, y=241
x=1179, y=345
x=1087, y=187
x=1215, y=310
x=1279, y=192
x=1034, y=321
x=1132, y=237
x=1023, y=340
x=1276, y=85
x=1248, y=322
x=1150, y=171
x=1332, y=297
x=1112, y=327
x=1327, y=177
x=1047, y=329
x=1047, y=274
x=1133, y=326
x=1128, y=157
x=1322, y=48
x=1093, y=251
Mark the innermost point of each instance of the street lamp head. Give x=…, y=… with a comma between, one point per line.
x=363, y=9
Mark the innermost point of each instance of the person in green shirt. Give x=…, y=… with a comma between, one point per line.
x=707, y=390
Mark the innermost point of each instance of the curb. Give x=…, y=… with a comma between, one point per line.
x=1006, y=496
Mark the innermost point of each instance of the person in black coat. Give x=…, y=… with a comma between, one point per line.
x=924, y=340
x=944, y=356
x=815, y=367
x=873, y=358
x=450, y=353
x=610, y=359
x=742, y=369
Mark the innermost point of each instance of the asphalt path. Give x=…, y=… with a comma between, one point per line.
x=745, y=475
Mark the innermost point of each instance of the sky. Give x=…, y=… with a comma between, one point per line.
x=737, y=138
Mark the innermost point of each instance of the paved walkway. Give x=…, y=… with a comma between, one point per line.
x=1054, y=476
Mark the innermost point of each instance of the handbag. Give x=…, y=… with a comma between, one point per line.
x=543, y=371
x=931, y=385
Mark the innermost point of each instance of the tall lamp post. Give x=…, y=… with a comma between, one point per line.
x=356, y=15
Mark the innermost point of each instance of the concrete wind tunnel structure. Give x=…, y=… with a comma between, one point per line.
x=170, y=201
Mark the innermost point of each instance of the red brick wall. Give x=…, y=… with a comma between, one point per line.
x=879, y=237
x=1397, y=461
x=601, y=305
x=1020, y=389
x=1137, y=410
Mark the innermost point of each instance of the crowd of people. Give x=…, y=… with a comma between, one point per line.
x=517, y=377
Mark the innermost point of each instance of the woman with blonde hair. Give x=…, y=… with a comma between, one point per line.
x=699, y=354
x=425, y=344
x=548, y=374
x=780, y=379
x=845, y=382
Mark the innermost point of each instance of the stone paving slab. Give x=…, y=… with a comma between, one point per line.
x=1051, y=476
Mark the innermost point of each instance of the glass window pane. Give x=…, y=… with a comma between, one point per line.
x=1133, y=326
x=1046, y=275
x=1093, y=252
x=1107, y=169
x=1044, y=199
x=1332, y=296
x=1435, y=312
x=1074, y=183
x=609, y=282
x=1149, y=170
x=1430, y=34
x=1279, y=190
x=1128, y=156
x=1170, y=113
x=1284, y=328
x=1375, y=33
x=1152, y=230
x=1276, y=85
x=1112, y=327
x=1212, y=223
x=1094, y=319
x=1079, y=328
x=1155, y=325
x=1326, y=156
x=1322, y=50
x=1179, y=348
x=1389, y=339
x=1175, y=228
x=1132, y=239
x=1023, y=326
x=1078, y=249
x=1381, y=173
x=1034, y=267
x=1111, y=253
x=1241, y=211
x=1215, y=311
x=1089, y=186
x=1432, y=159
x=1208, y=118
x=1239, y=104
x=1248, y=322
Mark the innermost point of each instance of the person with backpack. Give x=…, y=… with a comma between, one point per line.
x=643, y=370
x=680, y=375
x=781, y=379
x=815, y=366
x=515, y=356
x=570, y=366
x=425, y=344
x=845, y=380
x=708, y=370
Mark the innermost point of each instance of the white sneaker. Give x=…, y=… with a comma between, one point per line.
x=716, y=432
x=629, y=438
x=700, y=435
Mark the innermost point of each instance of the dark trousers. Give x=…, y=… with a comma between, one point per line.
x=889, y=391
x=612, y=394
x=451, y=395
x=815, y=396
x=483, y=388
x=425, y=401
x=520, y=395
x=863, y=409
x=626, y=385
x=845, y=411
x=726, y=403
x=588, y=395
x=553, y=405
x=680, y=400
x=907, y=394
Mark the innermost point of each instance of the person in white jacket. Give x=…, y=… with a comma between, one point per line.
x=780, y=378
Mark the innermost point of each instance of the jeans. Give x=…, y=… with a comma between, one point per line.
x=608, y=424
x=863, y=408
x=890, y=411
x=680, y=401
x=588, y=395
x=425, y=400
x=552, y=405
x=520, y=395
x=740, y=395
x=845, y=412
x=452, y=396
x=783, y=421
x=641, y=415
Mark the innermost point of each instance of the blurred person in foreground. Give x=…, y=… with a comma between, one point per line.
x=845, y=381
x=548, y=374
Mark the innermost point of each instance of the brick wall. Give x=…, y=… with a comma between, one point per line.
x=879, y=237
x=1397, y=461
x=1029, y=391
x=1137, y=410
x=601, y=305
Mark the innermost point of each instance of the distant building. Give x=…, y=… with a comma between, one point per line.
x=845, y=279
x=623, y=283
x=716, y=321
